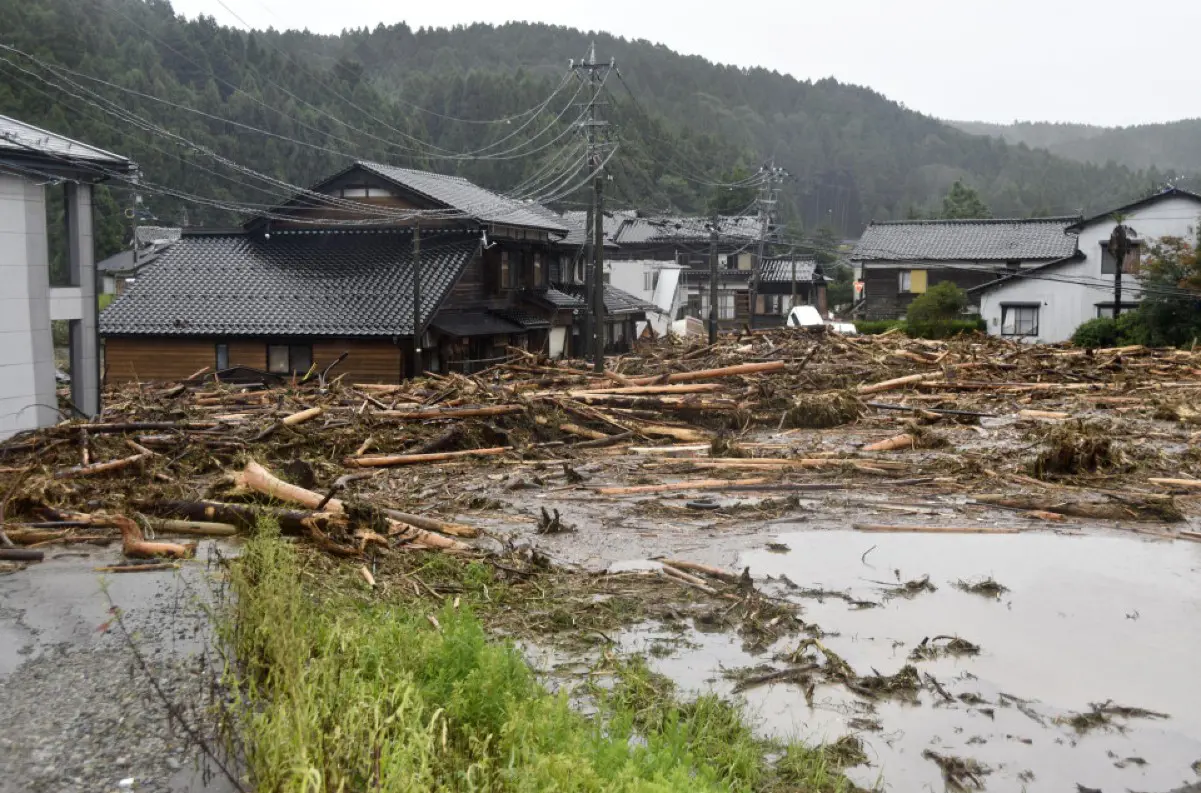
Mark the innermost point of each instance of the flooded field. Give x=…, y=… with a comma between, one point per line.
x=1087, y=624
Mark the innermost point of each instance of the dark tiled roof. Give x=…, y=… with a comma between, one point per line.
x=25, y=141
x=616, y=300
x=577, y=222
x=309, y=283
x=471, y=199
x=780, y=270
x=635, y=230
x=967, y=240
x=525, y=319
x=118, y=262
x=474, y=323
x=560, y=299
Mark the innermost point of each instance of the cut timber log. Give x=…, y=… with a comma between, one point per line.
x=652, y=390
x=706, y=374
x=706, y=569
x=899, y=382
x=135, y=545
x=257, y=478
x=669, y=487
x=1043, y=414
x=102, y=468
x=137, y=568
x=607, y=440
x=878, y=527
x=198, y=528
x=20, y=555
x=1126, y=507
x=1194, y=484
x=301, y=417
x=389, y=460
x=450, y=413
x=682, y=434
x=690, y=580
x=583, y=432
x=895, y=443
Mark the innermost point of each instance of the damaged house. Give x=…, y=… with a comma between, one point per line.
x=403, y=270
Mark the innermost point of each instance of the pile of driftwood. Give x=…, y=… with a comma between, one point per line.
x=209, y=456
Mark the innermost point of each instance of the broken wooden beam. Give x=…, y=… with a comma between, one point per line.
x=450, y=412
x=897, y=382
x=706, y=374
x=390, y=460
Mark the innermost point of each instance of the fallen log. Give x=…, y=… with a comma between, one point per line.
x=895, y=443
x=1043, y=414
x=645, y=390
x=706, y=374
x=257, y=478
x=450, y=413
x=706, y=569
x=682, y=434
x=389, y=460
x=20, y=555
x=1186, y=483
x=583, y=432
x=136, y=546
x=607, y=440
x=1127, y=507
x=879, y=527
x=102, y=468
x=694, y=484
x=944, y=411
x=896, y=383
x=137, y=568
x=691, y=580
x=198, y=528
x=656, y=403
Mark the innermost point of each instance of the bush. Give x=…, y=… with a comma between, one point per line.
x=929, y=329
x=940, y=302
x=1099, y=332
x=874, y=327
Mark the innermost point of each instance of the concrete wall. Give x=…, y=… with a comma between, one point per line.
x=1068, y=295
x=27, y=398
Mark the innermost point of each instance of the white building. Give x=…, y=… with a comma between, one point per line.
x=652, y=281
x=32, y=161
x=1047, y=303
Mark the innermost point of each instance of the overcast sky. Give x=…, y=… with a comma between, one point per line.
x=988, y=60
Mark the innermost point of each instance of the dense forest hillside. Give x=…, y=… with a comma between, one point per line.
x=1175, y=146
x=413, y=97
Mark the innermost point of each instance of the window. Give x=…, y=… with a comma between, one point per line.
x=289, y=358
x=1019, y=320
x=648, y=280
x=911, y=281
x=1106, y=309
x=222, y=351
x=537, y=270
x=1130, y=266
x=505, y=282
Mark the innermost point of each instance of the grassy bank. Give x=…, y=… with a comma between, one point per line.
x=336, y=693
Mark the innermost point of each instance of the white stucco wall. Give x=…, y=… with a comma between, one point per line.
x=27, y=396
x=1068, y=294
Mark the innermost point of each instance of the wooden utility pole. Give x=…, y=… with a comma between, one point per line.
x=418, y=326
x=594, y=322
x=713, y=280
x=1119, y=248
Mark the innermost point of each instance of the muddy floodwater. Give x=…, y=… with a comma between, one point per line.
x=1093, y=618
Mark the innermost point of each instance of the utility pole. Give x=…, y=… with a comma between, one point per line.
x=713, y=280
x=768, y=192
x=593, y=127
x=418, y=328
x=1119, y=247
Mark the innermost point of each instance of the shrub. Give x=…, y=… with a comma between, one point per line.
x=873, y=327
x=1099, y=332
x=940, y=302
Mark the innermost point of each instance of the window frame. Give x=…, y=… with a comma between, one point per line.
x=1107, y=260
x=506, y=270
x=904, y=282
x=221, y=350
x=290, y=358
x=538, y=270
x=1016, y=334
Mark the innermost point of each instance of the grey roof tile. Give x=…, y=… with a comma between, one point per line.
x=560, y=299
x=780, y=270
x=469, y=198
x=522, y=317
x=967, y=240
x=310, y=283
x=20, y=139
x=474, y=323
x=617, y=301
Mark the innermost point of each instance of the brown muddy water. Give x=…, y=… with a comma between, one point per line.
x=1087, y=619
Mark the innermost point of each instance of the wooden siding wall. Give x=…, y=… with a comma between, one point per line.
x=129, y=358
x=884, y=301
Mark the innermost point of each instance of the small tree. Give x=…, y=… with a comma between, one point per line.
x=963, y=202
x=1170, y=311
x=941, y=302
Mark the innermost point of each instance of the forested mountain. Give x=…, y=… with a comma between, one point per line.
x=1175, y=146
x=386, y=93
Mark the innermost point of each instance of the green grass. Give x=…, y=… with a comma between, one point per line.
x=336, y=693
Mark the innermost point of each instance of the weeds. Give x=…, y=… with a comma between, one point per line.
x=988, y=587
x=335, y=693
x=823, y=410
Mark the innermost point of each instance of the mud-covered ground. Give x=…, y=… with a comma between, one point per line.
x=1050, y=642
